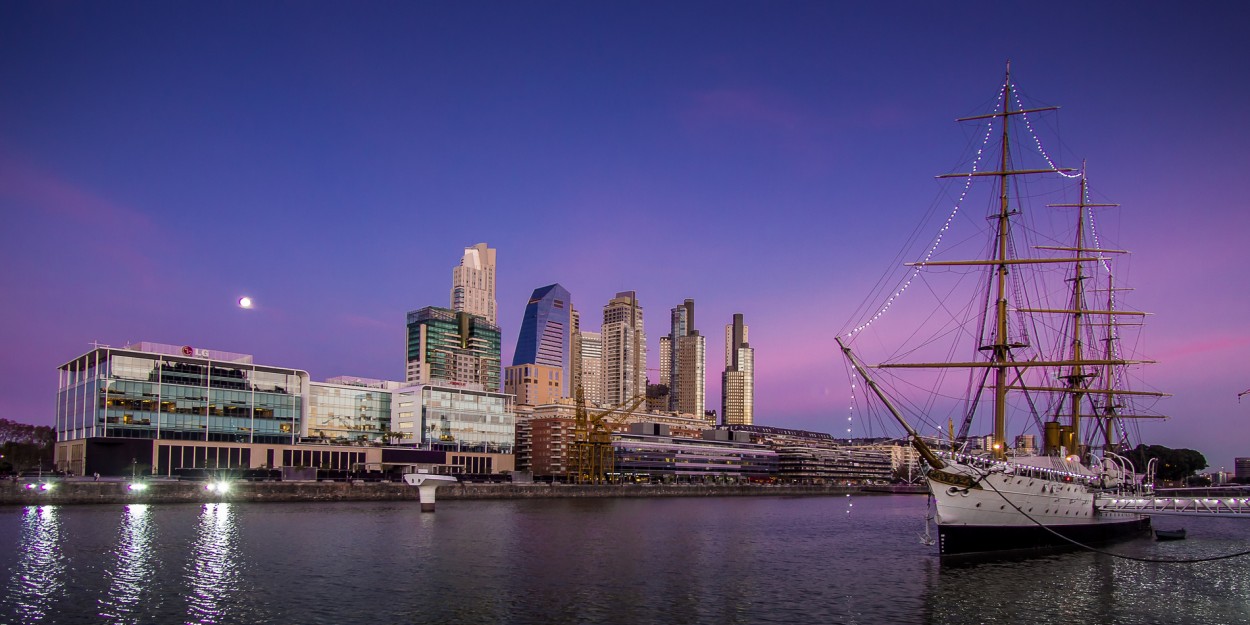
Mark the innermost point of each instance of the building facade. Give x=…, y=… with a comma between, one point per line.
x=546, y=332
x=349, y=410
x=156, y=391
x=546, y=434
x=1241, y=468
x=453, y=417
x=473, y=283
x=738, y=380
x=590, y=367
x=444, y=345
x=534, y=385
x=687, y=376
x=624, y=350
x=649, y=453
x=154, y=409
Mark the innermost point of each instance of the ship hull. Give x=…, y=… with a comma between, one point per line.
x=955, y=540
x=1046, y=504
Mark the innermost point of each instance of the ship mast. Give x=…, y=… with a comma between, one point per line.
x=1077, y=389
x=1001, y=347
x=1076, y=366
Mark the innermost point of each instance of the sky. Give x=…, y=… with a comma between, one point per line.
x=332, y=160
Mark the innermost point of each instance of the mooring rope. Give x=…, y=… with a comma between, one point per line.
x=1110, y=553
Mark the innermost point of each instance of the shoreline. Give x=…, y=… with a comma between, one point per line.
x=161, y=491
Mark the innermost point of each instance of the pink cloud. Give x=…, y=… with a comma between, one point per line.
x=113, y=229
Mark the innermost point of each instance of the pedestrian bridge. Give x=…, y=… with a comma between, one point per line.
x=1185, y=506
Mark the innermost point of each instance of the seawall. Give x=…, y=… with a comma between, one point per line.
x=162, y=491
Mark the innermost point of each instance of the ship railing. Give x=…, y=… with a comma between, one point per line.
x=1188, y=506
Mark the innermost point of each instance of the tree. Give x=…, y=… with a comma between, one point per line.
x=1174, y=464
x=25, y=446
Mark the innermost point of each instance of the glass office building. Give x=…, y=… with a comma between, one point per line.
x=545, y=334
x=452, y=346
x=454, y=417
x=349, y=410
x=154, y=391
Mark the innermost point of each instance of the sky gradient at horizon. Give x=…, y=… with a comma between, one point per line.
x=332, y=160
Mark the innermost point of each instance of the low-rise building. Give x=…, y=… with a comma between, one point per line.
x=648, y=452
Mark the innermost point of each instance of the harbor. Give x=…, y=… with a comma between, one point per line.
x=112, y=491
x=721, y=560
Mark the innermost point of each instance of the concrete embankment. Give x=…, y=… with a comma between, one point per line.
x=160, y=491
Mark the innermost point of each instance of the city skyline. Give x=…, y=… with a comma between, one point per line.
x=333, y=163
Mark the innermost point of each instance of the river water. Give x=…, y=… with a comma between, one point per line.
x=681, y=560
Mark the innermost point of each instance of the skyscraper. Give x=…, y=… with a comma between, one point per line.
x=452, y=346
x=590, y=367
x=666, y=360
x=545, y=335
x=473, y=283
x=738, y=381
x=687, y=374
x=624, y=349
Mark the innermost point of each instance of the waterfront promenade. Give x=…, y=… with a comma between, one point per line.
x=112, y=491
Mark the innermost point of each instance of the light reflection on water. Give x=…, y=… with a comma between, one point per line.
x=213, y=571
x=722, y=561
x=38, y=580
x=133, y=570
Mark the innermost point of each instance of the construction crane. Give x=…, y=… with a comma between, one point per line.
x=591, y=459
x=1245, y=392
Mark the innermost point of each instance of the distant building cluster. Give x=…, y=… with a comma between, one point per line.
x=155, y=409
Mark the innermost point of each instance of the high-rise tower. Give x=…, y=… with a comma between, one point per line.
x=545, y=335
x=473, y=283
x=738, y=381
x=624, y=349
x=687, y=373
x=452, y=346
x=540, y=365
x=590, y=367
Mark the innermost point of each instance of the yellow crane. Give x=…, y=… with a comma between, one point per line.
x=591, y=458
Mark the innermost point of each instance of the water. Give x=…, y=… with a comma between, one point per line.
x=689, y=560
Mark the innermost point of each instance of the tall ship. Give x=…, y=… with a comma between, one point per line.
x=1026, y=322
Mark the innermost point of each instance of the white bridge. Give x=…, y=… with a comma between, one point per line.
x=1186, y=506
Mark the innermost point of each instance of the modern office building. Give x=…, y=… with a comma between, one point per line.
x=589, y=367
x=649, y=452
x=454, y=417
x=444, y=345
x=624, y=349
x=345, y=410
x=687, y=377
x=534, y=385
x=546, y=332
x=473, y=283
x=738, y=380
x=850, y=465
x=155, y=391
x=154, y=409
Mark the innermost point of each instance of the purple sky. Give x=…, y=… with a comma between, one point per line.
x=158, y=160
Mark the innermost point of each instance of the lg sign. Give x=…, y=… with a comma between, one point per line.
x=187, y=350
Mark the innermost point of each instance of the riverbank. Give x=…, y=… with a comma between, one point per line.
x=170, y=491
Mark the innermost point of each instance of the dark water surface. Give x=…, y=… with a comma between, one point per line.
x=688, y=560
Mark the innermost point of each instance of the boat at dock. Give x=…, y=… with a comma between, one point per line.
x=1034, y=320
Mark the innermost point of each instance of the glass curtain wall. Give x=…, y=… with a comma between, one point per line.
x=467, y=421
x=135, y=395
